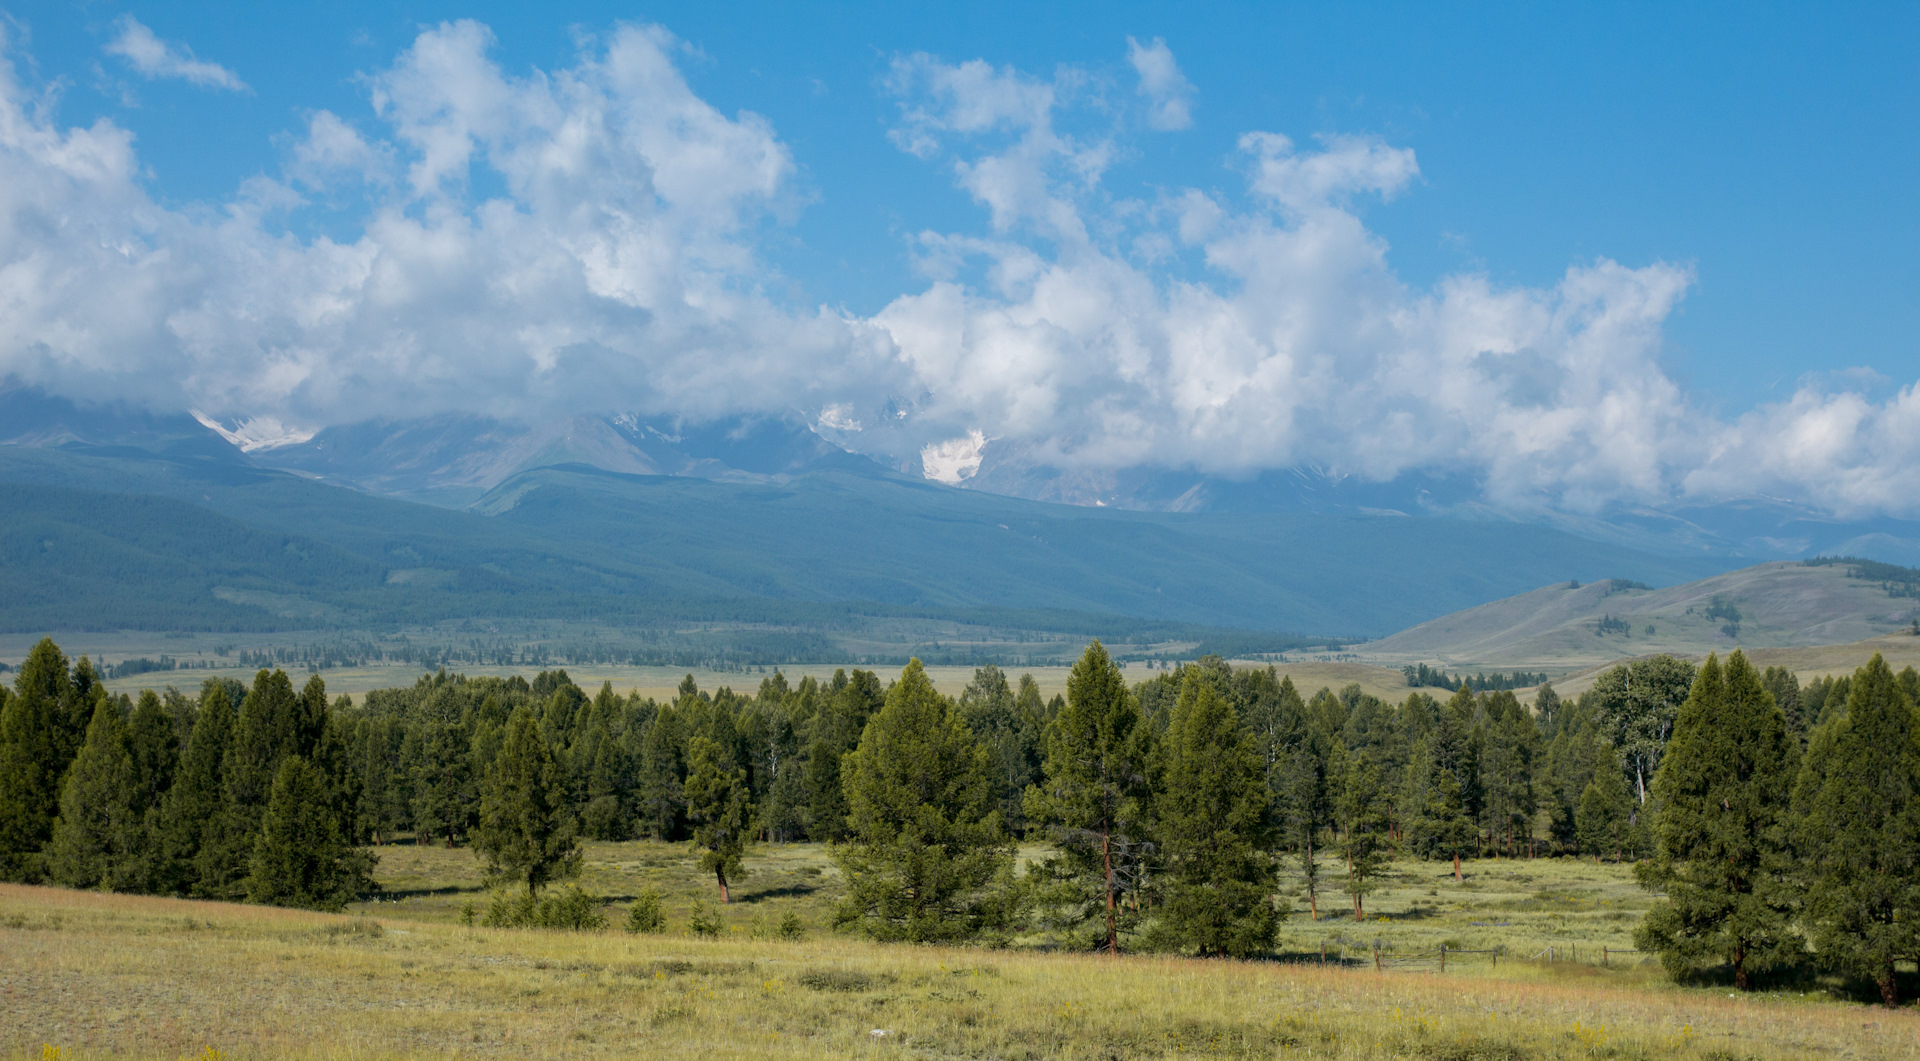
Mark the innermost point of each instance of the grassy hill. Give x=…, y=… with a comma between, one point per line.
x=1772, y=605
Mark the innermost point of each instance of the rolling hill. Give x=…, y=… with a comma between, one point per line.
x=1771, y=605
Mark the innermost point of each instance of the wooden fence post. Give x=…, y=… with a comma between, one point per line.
x=1443, y=957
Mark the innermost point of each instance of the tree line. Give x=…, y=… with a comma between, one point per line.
x=1768, y=814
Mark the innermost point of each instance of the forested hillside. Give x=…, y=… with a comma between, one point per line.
x=1775, y=819
x=576, y=543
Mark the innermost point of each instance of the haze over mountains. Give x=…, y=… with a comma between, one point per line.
x=633, y=522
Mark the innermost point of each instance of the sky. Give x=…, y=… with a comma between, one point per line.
x=1588, y=255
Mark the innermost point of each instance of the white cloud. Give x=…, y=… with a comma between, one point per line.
x=1296, y=344
x=1168, y=92
x=584, y=239
x=155, y=58
x=615, y=270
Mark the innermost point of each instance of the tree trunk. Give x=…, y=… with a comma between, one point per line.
x=1456, y=867
x=1106, y=855
x=1740, y=966
x=1889, y=988
x=721, y=876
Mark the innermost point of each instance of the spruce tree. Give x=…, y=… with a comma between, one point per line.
x=1720, y=829
x=1215, y=827
x=35, y=748
x=720, y=806
x=190, y=810
x=97, y=837
x=301, y=858
x=1096, y=797
x=928, y=850
x=1859, y=800
x=526, y=830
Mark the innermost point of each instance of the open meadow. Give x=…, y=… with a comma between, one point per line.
x=95, y=975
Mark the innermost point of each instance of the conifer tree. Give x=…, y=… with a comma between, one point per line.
x=1720, y=829
x=1308, y=810
x=1096, y=798
x=720, y=806
x=526, y=830
x=301, y=858
x=191, y=807
x=1605, y=806
x=1363, y=821
x=97, y=837
x=660, y=788
x=851, y=701
x=1215, y=827
x=35, y=749
x=928, y=851
x=1449, y=829
x=1859, y=800
x=266, y=730
x=1786, y=693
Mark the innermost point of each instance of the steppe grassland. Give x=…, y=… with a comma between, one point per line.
x=93, y=975
x=1524, y=906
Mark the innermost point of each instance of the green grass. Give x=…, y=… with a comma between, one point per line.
x=1518, y=906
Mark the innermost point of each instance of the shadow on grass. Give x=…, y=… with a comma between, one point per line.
x=790, y=891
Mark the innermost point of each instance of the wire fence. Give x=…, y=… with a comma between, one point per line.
x=1385, y=957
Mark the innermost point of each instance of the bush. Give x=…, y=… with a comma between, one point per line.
x=791, y=927
x=570, y=909
x=704, y=920
x=645, y=915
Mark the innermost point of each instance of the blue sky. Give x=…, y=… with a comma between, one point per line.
x=1765, y=155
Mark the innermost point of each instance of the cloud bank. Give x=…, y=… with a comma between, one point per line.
x=585, y=239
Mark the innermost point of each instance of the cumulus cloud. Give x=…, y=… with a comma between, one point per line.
x=614, y=271
x=584, y=239
x=1296, y=344
x=154, y=58
x=1168, y=92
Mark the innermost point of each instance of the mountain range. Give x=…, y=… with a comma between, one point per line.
x=121, y=517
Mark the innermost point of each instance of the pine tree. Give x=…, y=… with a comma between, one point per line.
x=1363, y=822
x=1859, y=800
x=35, y=749
x=97, y=837
x=1448, y=828
x=301, y=858
x=526, y=830
x=1215, y=826
x=1720, y=829
x=720, y=806
x=1096, y=797
x=928, y=849
x=1308, y=811
x=191, y=807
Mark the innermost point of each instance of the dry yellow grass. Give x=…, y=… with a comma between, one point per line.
x=114, y=976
